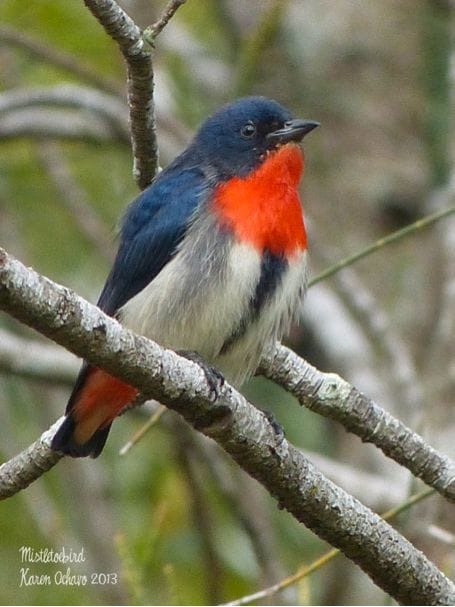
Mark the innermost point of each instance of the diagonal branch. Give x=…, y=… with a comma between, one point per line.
x=408, y=230
x=225, y=416
x=151, y=32
x=20, y=471
x=331, y=396
x=119, y=26
x=316, y=565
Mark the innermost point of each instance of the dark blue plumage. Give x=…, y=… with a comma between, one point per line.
x=227, y=141
x=152, y=229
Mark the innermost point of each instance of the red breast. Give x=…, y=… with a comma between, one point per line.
x=264, y=208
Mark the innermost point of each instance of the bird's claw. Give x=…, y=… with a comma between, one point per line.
x=215, y=378
x=277, y=428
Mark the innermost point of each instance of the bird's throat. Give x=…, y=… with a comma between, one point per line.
x=264, y=208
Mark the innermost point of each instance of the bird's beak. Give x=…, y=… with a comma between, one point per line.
x=293, y=130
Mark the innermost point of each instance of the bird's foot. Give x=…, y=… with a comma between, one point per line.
x=277, y=428
x=215, y=378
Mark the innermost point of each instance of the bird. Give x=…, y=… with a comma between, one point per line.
x=212, y=259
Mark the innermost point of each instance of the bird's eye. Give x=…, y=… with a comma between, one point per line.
x=248, y=130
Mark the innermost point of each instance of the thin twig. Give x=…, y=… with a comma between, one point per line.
x=154, y=418
x=382, y=242
x=152, y=31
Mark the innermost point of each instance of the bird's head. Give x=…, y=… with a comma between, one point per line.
x=236, y=139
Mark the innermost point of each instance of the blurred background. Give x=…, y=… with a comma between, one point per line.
x=174, y=517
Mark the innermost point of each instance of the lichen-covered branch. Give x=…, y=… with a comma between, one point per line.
x=331, y=396
x=225, y=416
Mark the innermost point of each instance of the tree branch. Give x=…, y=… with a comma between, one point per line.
x=71, y=96
x=151, y=32
x=36, y=360
x=20, y=471
x=46, y=123
x=323, y=560
x=331, y=396
x=225, y=416
x=121, y=28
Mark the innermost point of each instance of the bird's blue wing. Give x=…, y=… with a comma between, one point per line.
x=154, y=225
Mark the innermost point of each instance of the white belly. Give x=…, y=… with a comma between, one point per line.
x=181, y=310
x=198, y=300
x=274, y=321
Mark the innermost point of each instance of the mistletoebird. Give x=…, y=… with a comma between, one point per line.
x=212, y=258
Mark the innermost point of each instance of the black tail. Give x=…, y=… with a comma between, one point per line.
x=64, y=442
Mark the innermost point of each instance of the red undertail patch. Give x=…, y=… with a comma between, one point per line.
x=101, y=399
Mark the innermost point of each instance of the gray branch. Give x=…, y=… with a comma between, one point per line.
x=225, y=416
x=35, y=360
x=121, y=28
x=20, y=471
x=331, y=396
x=153, y=30
x=49, y=123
